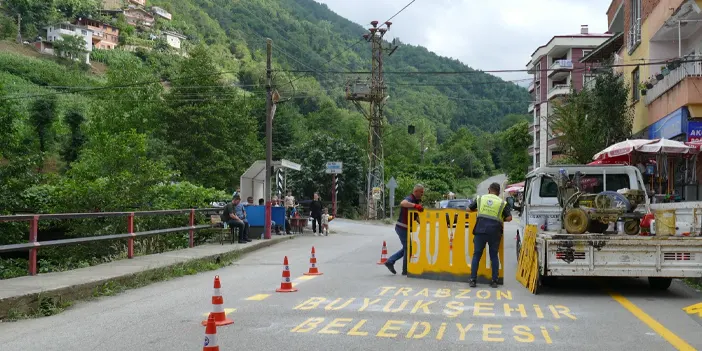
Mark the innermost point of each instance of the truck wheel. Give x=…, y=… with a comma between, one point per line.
x=631, y=227
x=576, y=221
x=658, y=283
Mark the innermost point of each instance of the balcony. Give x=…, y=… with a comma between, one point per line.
x=560, y=69
x=675, y=77
x=530, y=109
x=558, y=90
x=531, y=86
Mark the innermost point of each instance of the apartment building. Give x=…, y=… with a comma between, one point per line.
x=557, y=69
x=658, y=36
x=57, y=31
x=105, y=36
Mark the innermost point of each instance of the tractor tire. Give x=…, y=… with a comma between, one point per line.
x=576, y=221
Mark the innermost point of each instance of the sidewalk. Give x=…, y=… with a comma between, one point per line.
x=75, y=284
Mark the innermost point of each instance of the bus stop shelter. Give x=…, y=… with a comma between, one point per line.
x=252, y=182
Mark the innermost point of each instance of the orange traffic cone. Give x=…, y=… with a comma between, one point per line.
x=220, y=317
x=383, y=254
x=286, y=284
x=313, y=265
x=211, y=335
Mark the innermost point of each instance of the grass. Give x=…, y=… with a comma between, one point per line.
x=54, y=303
x=695, y=283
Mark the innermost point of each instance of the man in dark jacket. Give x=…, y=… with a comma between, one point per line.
x=488, y=230
x=316, y=214
x=413, y=201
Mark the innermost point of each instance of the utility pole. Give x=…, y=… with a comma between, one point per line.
x=376, y=95
x=269, y=138
x=19, y=28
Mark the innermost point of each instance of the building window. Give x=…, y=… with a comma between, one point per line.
x=635, y=85
x=84, y=32
x=586, y=52
x=634, y=25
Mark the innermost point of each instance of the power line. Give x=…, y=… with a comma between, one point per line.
x=138, y=84
x=398, y=12
x=473, y=71
x=352, y=45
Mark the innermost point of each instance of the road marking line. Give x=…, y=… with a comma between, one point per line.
x=258, y=297
x=668, y=335
x=306, y=277
x=694, y=309
x=226, y=311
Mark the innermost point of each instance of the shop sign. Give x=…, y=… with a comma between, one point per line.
x=694, y=130
x=670, y=126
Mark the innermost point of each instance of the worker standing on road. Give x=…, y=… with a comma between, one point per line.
x=492, y=213
x=412, y=201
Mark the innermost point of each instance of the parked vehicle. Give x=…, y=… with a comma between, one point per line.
x=660, y=258
x=458, y=204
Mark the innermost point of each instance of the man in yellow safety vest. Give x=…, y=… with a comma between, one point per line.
x=492, y=213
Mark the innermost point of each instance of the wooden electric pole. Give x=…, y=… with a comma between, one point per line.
x=269, y=137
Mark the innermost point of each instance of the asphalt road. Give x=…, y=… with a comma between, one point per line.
x=482, y=188
x=358, y=305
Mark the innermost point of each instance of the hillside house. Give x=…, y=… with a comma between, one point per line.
x=120, y=4
x=57, y=31
x=105, y=36
x=157, y=11
x=173, y=39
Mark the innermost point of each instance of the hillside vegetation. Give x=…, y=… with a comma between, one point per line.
x=164, y=128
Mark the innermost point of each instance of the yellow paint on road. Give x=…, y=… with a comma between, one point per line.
x=306, y=277
x=450, y=309
x=694, y=309
x=226, y=311
x=258, y=297
x=493, y=333
x=664, y=332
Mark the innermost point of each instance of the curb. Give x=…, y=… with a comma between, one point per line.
x=65, y=295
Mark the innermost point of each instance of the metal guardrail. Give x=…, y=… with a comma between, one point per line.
x=33, y=245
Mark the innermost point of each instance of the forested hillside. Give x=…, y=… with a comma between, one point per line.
x=164, y=128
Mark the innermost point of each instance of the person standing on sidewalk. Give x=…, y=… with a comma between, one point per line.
x=316, y=214
x=413, y=201
x=492, y=213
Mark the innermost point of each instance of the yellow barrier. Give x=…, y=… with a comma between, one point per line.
x=441, y=246
x=528, y=266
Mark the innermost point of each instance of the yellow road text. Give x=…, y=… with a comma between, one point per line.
x=420, y=330
x=450, y=309
x=457, y=294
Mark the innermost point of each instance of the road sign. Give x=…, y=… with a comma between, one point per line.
x=334, y=167
x=392, y=184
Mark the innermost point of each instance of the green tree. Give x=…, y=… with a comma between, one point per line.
x=515, y=157
x=208, y=125
x=71, y=47
x=77, y=8
x=592, y=119
x=33, y=13
x=313, y=154
x=43, y=114
x=74, y=119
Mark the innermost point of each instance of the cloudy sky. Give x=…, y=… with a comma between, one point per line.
x=484, y=34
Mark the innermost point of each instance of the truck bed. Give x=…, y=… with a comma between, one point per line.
x=619, y=255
